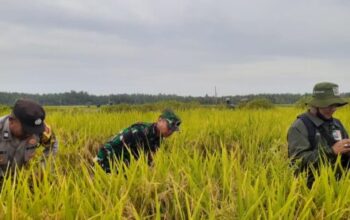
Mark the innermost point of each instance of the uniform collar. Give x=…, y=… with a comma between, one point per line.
x=316, y=120
x=154, y=130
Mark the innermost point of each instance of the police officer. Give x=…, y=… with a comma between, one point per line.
x=21, y=132
x=316, y=136
x=138, y=137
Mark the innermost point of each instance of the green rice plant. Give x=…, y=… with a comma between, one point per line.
x=223, y=164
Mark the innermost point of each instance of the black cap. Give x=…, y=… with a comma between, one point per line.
x=31, y=115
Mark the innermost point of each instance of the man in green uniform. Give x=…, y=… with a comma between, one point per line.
x=21, y=132
x=316, y=136
x=139, y=137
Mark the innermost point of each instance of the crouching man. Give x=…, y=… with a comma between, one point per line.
x=139, y=137
x=21, y=133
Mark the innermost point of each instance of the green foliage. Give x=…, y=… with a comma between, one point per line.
x=347, y=99
x=4, y=108
x=302, y=102
x=83, y=98
x=158, y=106
x=223, y=164
x=260, y=103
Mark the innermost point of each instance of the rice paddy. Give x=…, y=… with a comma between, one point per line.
x=224, y=164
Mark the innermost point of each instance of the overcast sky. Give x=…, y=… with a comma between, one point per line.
x=184, y=47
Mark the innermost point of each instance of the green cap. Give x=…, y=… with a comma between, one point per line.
x=326, y=94
x=173, y=120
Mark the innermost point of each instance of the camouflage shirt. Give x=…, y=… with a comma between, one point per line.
x=328, y=132
x=139, y=137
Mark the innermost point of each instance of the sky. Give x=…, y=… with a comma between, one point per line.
x=183, y=47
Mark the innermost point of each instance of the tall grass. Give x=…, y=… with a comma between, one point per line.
x=224, y=164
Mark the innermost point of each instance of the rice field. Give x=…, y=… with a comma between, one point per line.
x=224, y=164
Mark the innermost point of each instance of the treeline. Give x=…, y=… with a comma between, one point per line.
x=83, y=98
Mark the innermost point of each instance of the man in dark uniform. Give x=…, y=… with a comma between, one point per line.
x=139, y=137
x=316, y=136
x=21, y=132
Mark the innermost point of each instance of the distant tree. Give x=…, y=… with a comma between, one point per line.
x=82, y=98
x=259, y=103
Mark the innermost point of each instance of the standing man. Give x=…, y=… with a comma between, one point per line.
x=21, y=132
x=138, y=137
x=316, y=136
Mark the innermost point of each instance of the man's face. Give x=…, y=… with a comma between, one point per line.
x=17, y=130
x=163, y=128
x=328, y=112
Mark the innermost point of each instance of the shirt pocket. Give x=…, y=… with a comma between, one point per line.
x=29, y=153
x=3, y=157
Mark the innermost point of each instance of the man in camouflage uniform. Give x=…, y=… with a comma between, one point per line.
x=21, y=132
x=316, y=136
x=139, y=137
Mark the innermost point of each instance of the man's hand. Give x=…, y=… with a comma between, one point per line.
x=341, y=147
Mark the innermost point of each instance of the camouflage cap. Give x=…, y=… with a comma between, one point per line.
x=326, y=94
x=173, y=120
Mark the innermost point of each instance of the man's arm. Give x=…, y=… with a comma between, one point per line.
x=104, y=156
x=49, y=141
